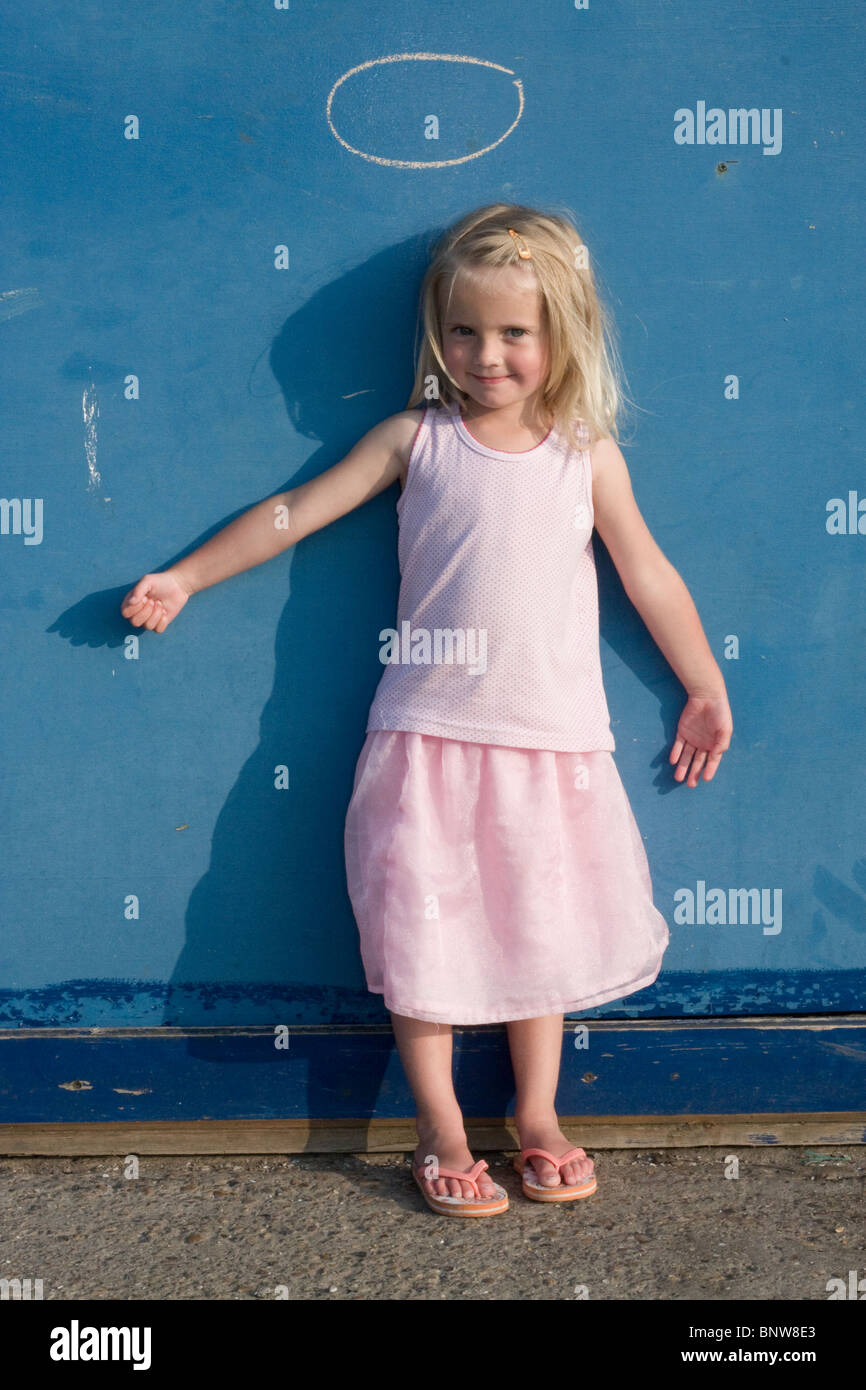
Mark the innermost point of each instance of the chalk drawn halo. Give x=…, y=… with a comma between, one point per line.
x=423, y=58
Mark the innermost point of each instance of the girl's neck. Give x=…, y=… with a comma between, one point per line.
x=506, y=428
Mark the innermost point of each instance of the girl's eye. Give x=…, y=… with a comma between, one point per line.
x=461, y=328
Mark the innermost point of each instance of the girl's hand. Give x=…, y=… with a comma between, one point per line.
x=703, y=735
x=155, y=600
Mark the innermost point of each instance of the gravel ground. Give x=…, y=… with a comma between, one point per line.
x=663, y=1225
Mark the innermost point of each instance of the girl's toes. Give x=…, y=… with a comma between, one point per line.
x=547, y=1174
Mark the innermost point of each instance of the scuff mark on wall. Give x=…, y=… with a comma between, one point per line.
x=110, y=1003
x=14, y=302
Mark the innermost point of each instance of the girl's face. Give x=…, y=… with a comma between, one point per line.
x=494, y=338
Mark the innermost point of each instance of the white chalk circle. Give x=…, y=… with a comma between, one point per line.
x=423, y=58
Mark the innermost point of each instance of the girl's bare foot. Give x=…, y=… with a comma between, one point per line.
x=546, y=1134
x=449, y=1147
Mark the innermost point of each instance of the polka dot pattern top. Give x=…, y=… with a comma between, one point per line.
x=496, y=639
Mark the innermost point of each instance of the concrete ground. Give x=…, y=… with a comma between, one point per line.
x=663, y=1225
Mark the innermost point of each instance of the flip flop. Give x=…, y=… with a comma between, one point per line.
x=463, y=1206
x=566, y=1192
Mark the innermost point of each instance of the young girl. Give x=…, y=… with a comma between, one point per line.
x=493, y=861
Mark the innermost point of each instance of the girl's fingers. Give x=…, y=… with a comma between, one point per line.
x=703, y=761
x=137, y=606
x=139, y=593
x=140, y=615
x=150, y=614
x=682, y=766
x=697, y=763
x=713, y=761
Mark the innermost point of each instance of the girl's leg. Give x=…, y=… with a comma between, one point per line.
x=425, y=1051
x=536, y=1052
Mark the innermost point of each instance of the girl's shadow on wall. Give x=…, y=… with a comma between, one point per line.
x=273, y=906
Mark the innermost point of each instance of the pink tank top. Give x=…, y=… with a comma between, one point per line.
x=496, y=638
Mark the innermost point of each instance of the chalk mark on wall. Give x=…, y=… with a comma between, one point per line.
x=90, y=411
x=424, y=58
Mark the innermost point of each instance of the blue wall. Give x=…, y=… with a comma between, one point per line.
x=161, y=374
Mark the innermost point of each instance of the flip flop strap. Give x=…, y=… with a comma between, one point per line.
x=573, y=1153
x=470, y=1177
x=557, y=1162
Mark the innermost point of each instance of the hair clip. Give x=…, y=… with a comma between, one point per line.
x=523, y=250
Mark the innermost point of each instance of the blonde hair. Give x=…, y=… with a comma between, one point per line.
x=584, y=371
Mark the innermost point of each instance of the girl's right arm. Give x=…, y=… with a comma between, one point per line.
x=278, y=522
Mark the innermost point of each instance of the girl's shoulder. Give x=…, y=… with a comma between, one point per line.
x=405, y=424
x=432, y=409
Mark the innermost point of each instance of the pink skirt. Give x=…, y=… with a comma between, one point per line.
x=492, y=883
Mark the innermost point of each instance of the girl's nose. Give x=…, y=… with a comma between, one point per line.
x=493, y=349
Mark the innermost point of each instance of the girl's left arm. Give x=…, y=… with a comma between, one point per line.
x=666, y=606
